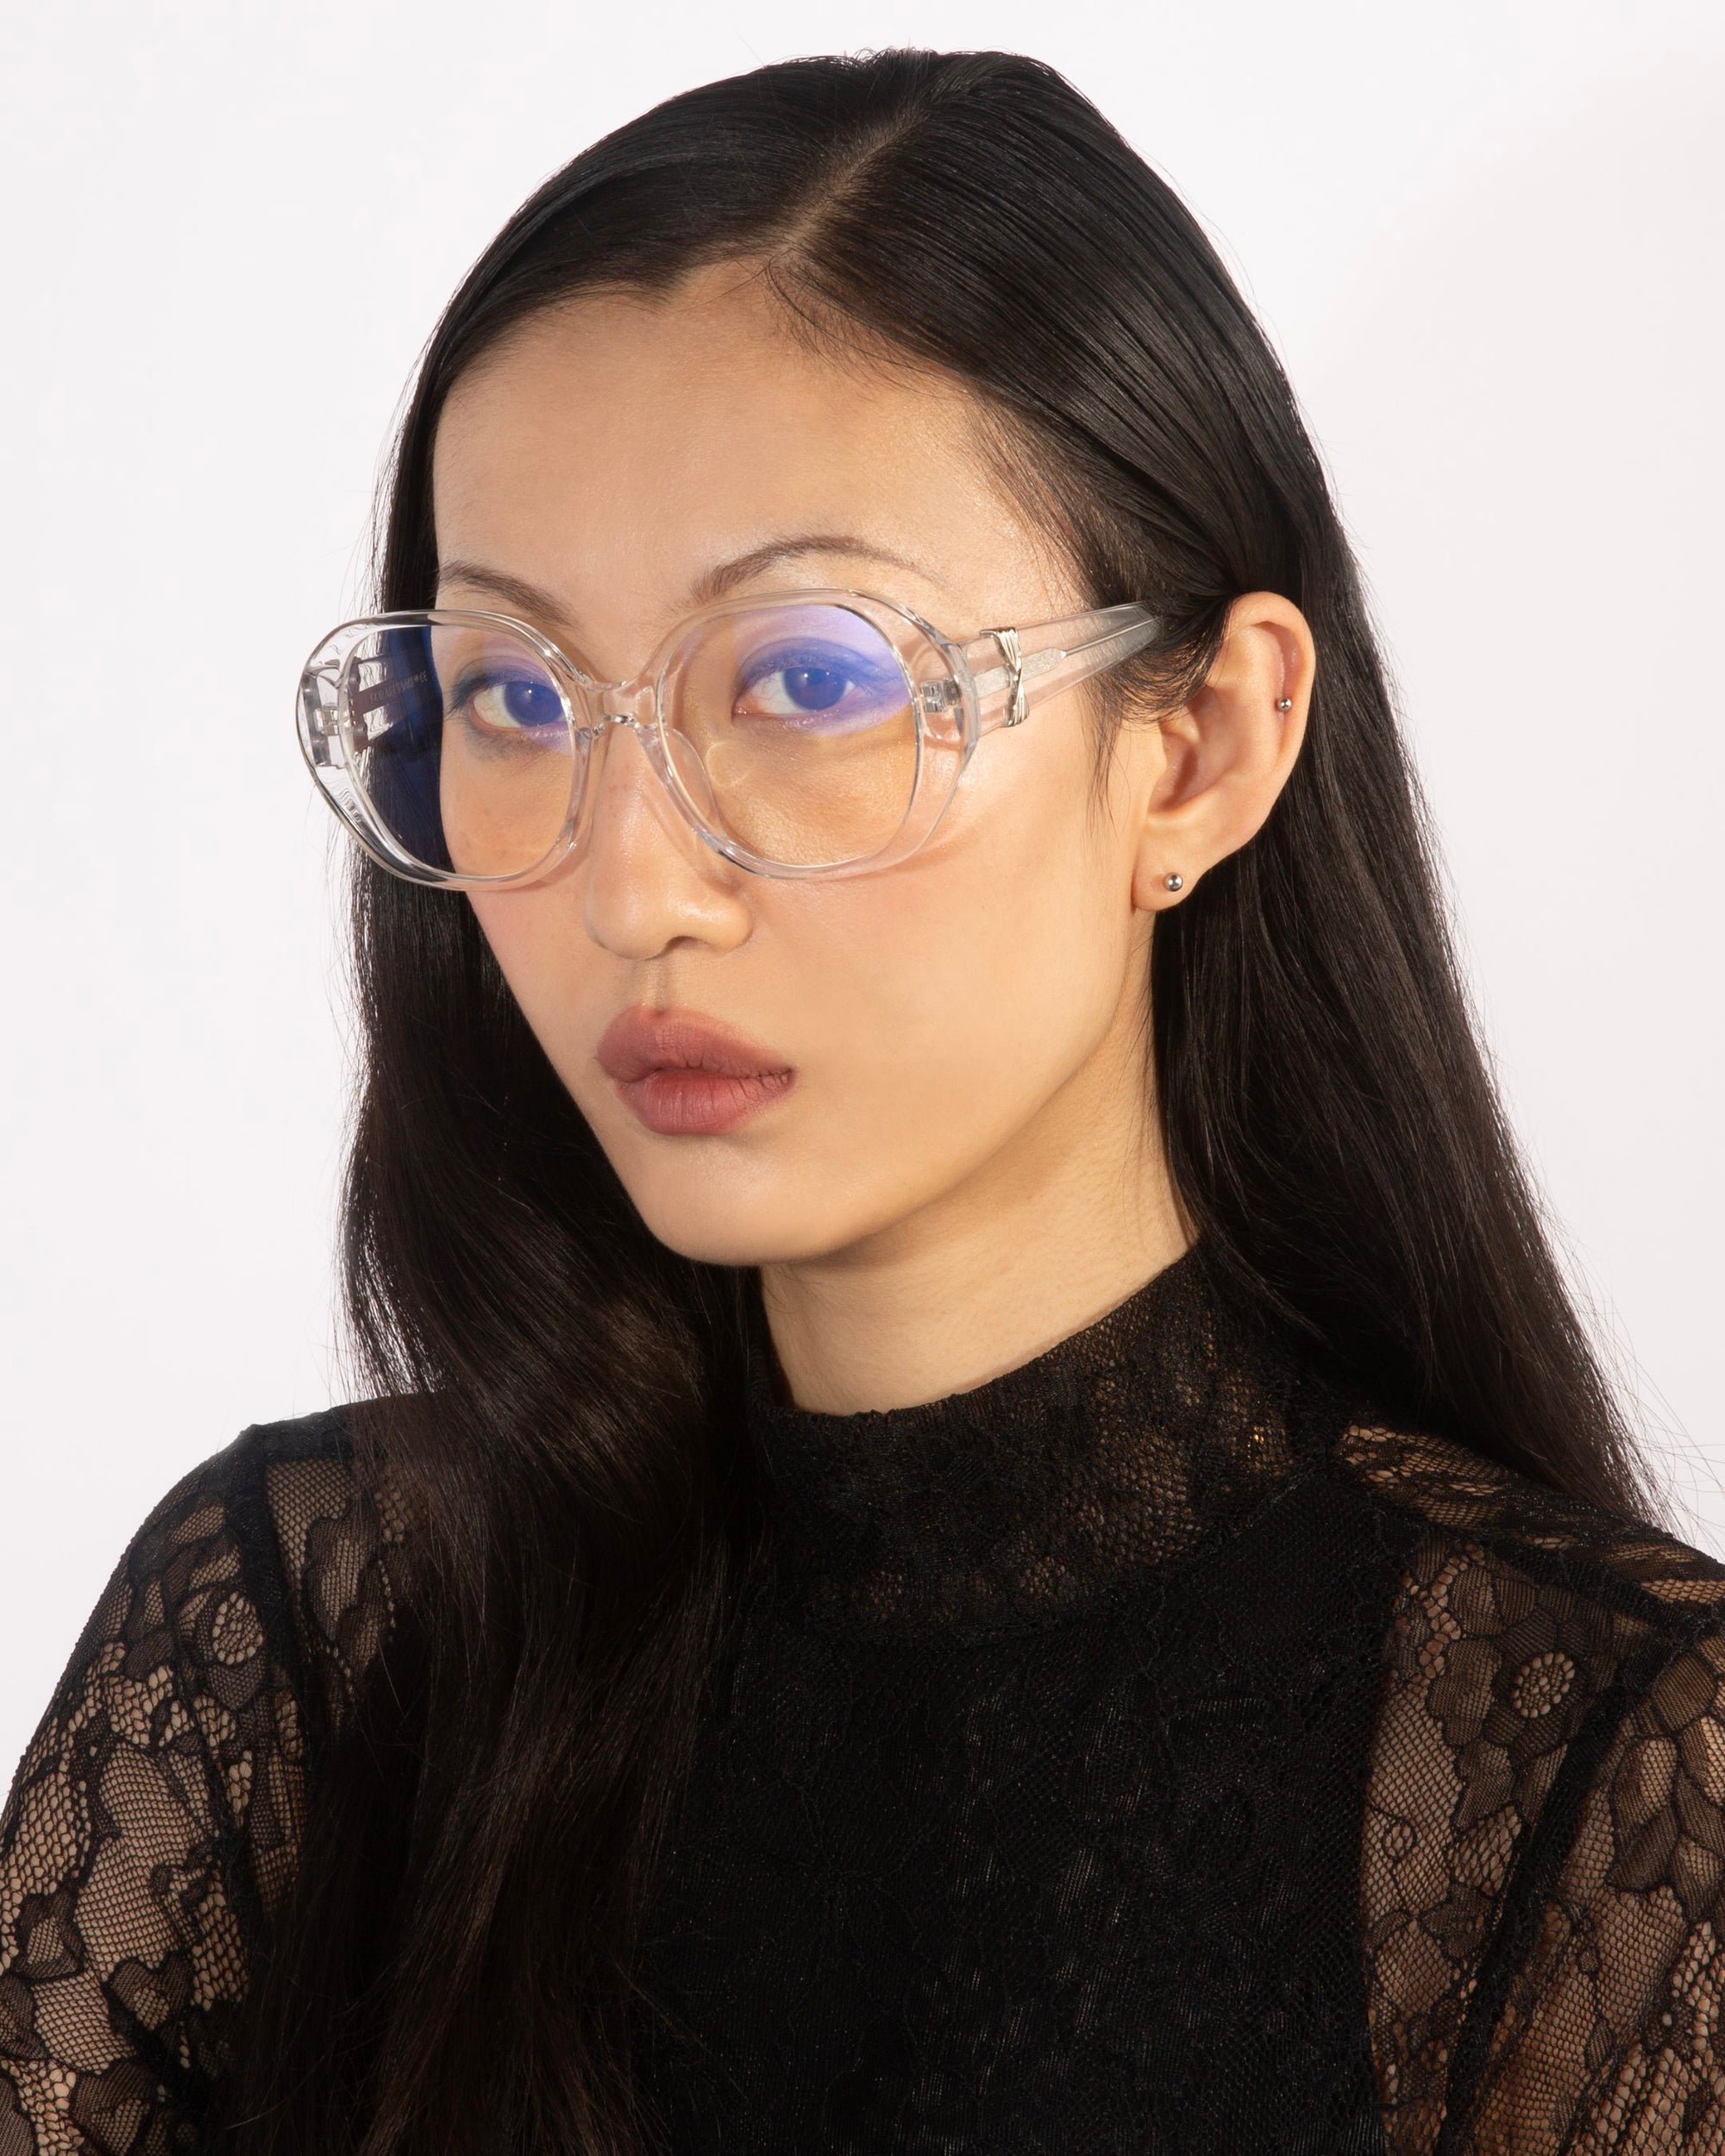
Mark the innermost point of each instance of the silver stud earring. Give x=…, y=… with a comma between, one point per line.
x=1174, y=883
x=1285, y=703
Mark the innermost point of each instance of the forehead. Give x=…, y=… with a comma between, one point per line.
x=657, y=433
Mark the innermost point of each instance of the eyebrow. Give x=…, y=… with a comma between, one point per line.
x=533, y=600
x=714, y=584
x=530, y=599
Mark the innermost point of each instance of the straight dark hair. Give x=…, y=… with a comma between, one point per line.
x=558, y=1392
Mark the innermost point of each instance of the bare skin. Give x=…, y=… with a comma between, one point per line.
x=969, y=1166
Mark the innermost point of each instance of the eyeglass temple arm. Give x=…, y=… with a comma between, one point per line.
x=1012, y=669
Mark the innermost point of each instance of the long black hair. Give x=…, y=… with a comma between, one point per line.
x=560, y=1392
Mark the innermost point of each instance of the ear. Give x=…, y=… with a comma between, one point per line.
x=1226, y=754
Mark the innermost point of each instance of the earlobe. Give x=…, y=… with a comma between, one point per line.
x=1227, y=751
x=1157, y=893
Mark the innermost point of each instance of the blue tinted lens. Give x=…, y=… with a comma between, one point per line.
x=462, y=742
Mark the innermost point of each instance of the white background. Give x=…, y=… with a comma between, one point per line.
x=1486, y=237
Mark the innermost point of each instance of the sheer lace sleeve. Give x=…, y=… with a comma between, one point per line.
x=156, y=1819
x=1610, y=2035
x=1544, y=1867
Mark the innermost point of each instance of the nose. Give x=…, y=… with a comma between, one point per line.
x=648, y=880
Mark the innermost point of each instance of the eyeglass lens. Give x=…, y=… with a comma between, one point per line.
x=790, y=728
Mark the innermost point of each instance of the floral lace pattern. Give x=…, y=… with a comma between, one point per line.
x=154, y=1823
x=1545, y=1846
x=1057, y=1597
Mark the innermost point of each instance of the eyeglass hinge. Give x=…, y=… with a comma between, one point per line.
x=1007, y=640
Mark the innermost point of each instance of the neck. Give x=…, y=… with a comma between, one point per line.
x=1056, y=1229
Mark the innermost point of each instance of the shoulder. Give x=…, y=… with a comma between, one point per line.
x=326, y=1528
x=224, y=1513
x=230, y=1484
x=1491, y=1547
x=283, y=1543
x=1533, y=1632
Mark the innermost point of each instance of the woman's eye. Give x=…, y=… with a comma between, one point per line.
x=804, y=689
x=825, y=691
x=518, y=707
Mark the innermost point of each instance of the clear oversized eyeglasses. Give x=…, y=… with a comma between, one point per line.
x=807, y=733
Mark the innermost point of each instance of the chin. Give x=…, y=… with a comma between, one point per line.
x=720, y=1226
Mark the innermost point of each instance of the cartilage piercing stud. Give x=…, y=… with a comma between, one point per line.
x=1174, y=883
x=1285, y=703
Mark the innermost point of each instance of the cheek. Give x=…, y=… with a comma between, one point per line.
x=552, y=970
x=959, y=987
x=944, y=1007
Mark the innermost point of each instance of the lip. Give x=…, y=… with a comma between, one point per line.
x=685, y=1075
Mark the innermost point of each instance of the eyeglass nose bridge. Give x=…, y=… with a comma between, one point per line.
x=626, y=703
x=630, y=704
x=635, y=706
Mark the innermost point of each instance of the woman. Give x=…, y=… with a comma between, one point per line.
x=983, y=1524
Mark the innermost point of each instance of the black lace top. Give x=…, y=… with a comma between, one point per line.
x=1136, y=1753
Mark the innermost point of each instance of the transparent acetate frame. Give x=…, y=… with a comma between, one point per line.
x=956, y=692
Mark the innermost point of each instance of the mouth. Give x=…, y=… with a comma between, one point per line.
x=683, y=1075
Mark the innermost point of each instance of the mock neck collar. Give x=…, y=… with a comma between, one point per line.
x=1174, y=1416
